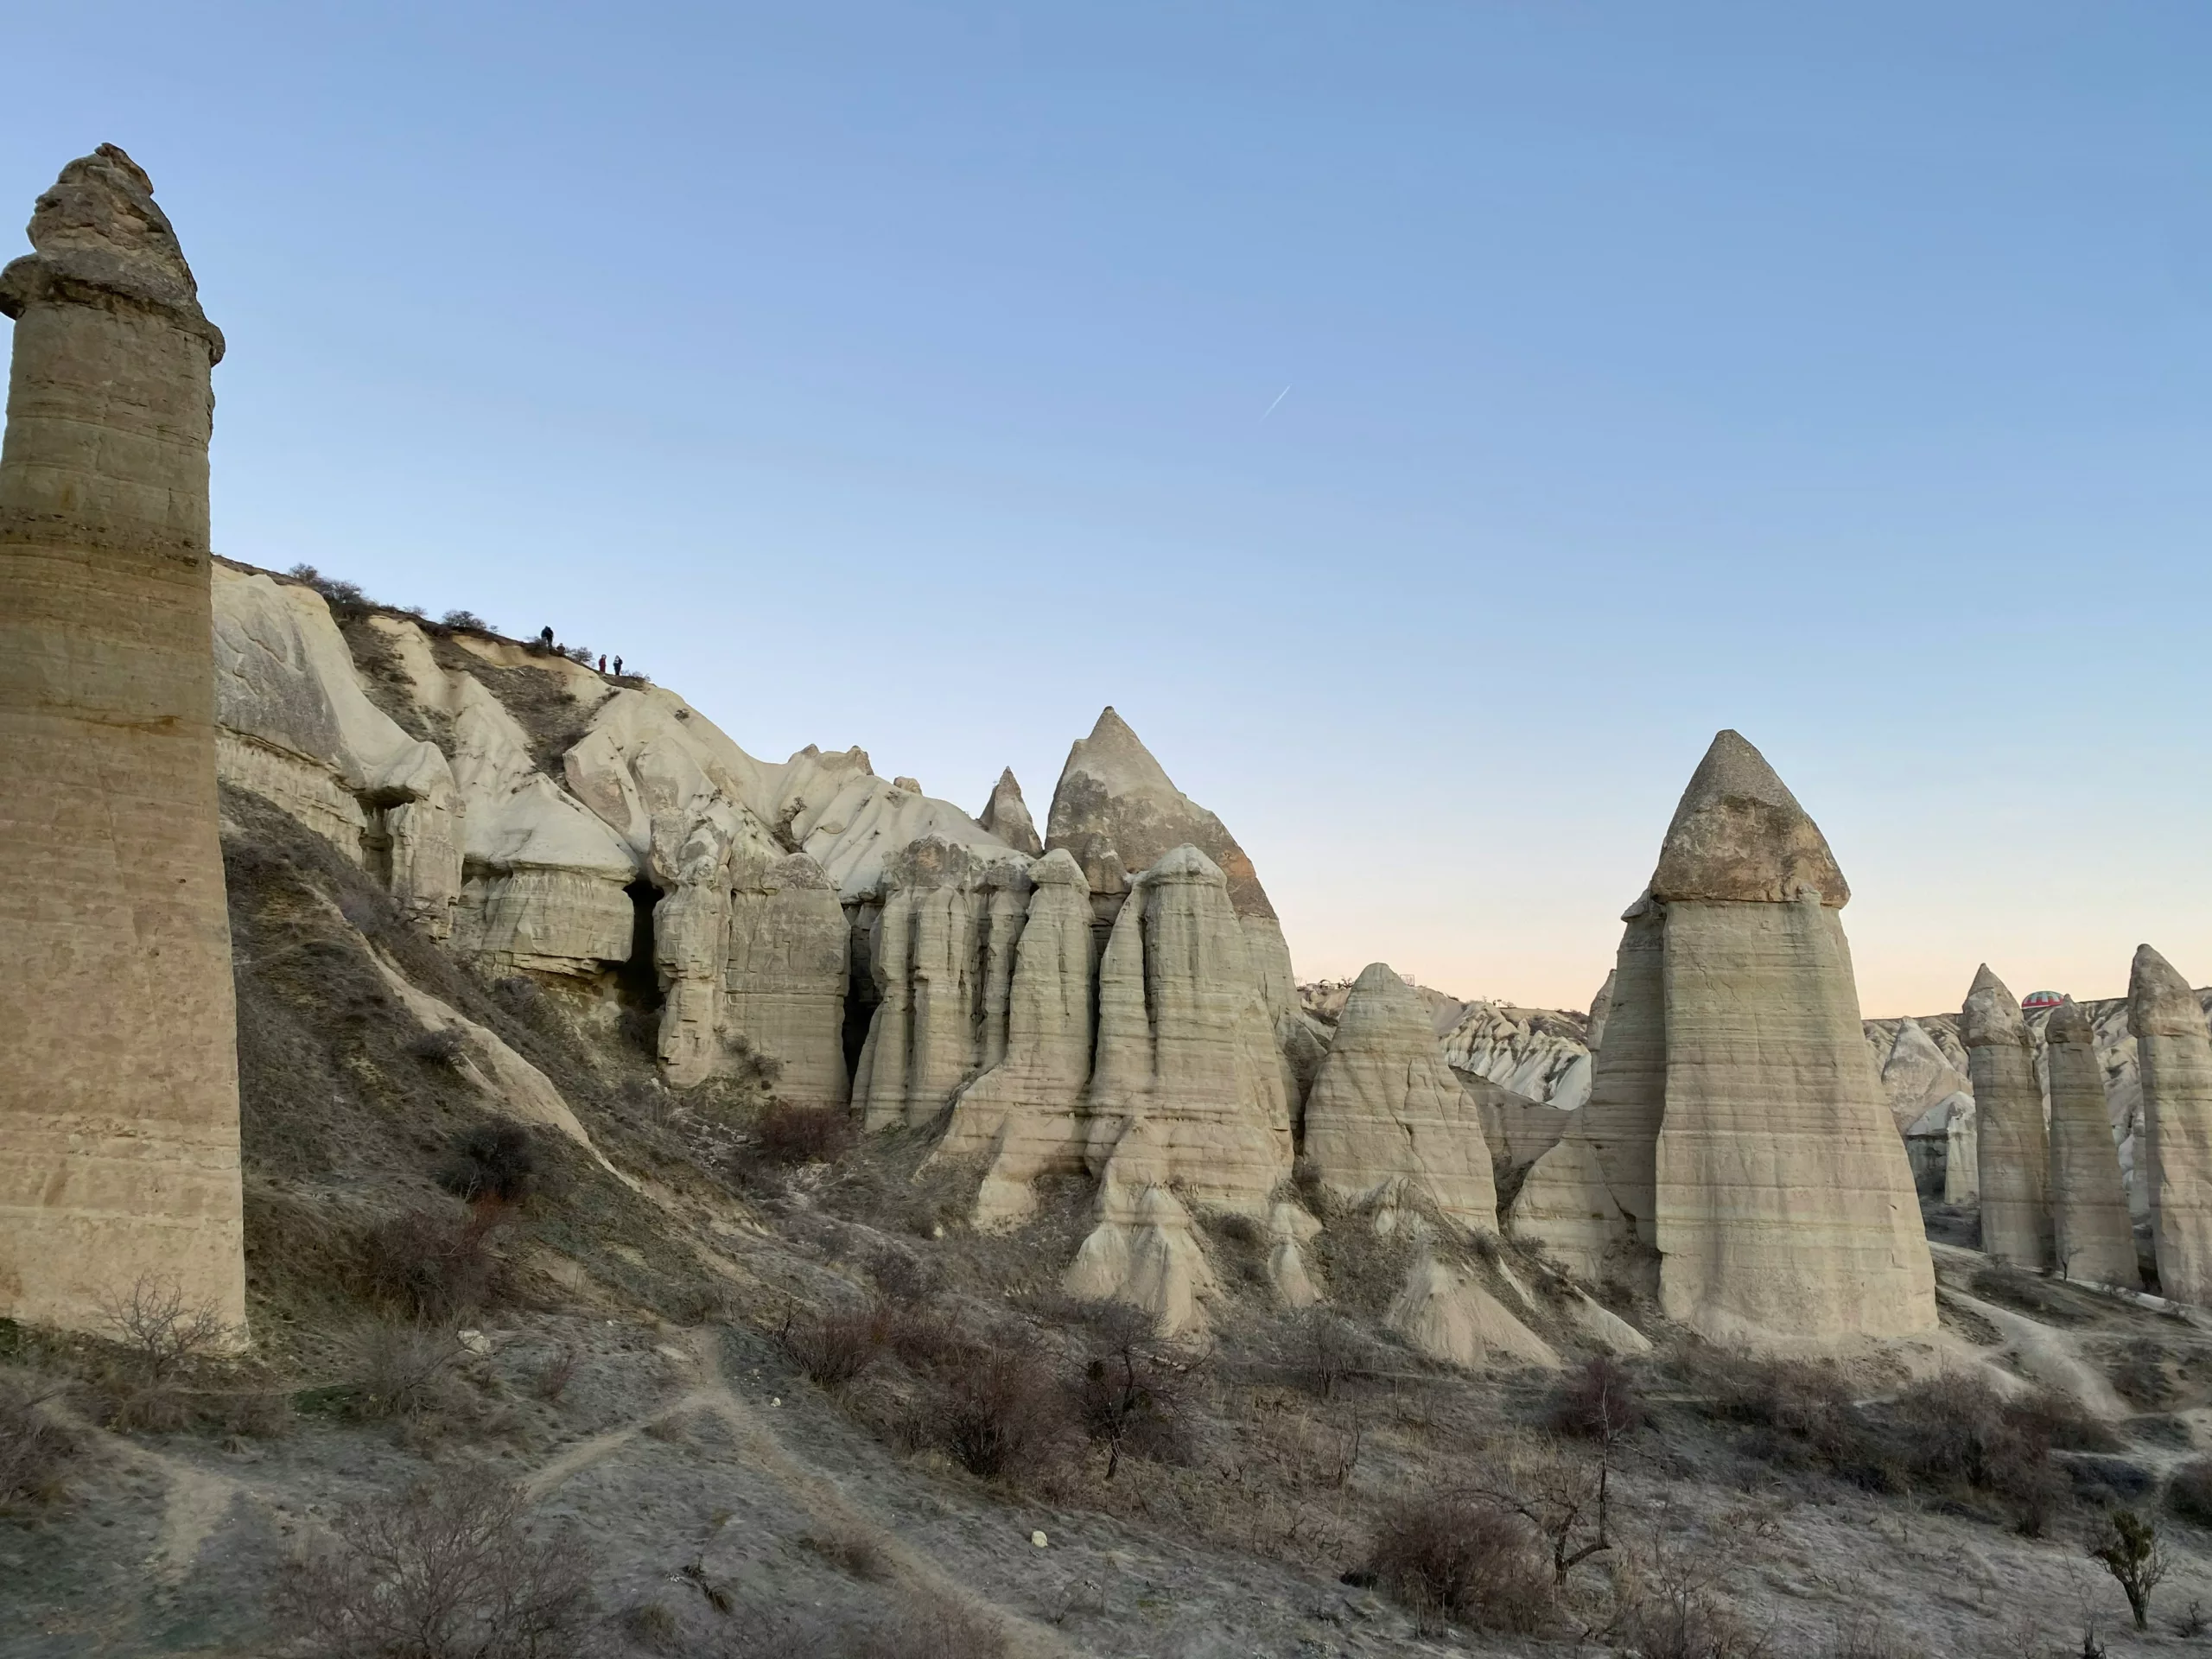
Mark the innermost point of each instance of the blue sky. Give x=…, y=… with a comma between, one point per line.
x=899, y=375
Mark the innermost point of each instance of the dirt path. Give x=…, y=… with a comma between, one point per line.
x=601, y=1446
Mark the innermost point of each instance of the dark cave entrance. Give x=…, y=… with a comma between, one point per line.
x=636, y=982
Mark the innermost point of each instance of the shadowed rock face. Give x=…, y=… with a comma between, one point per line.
x=1387, y=1110
x=120, y=1122
x=2094, y=1237
x=1112, y=789
x=2173, y=1051
x=1006, y=816
x=1738, y=834
x=2013, y=1153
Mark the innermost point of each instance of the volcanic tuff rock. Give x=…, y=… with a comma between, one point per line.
x=120, y=1117
x=1735, y=1121
x=1026, y=1112
x=1386, y=1108
x=783, y=980
x=2094, y=1235
x=942, y=953
x=1916, y=1075
x=2173, y=1051
x=1006, y=815
x=2012, y=1144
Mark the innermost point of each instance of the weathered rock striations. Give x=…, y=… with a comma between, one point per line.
x=784, y=976
x=1785, y=1205
x=1916, y=1075
x=1187, y=1086
x=941, y=956
x=120, y=1117
x=2093, y=1235
x=2173, y=1053
x=294, y=727
x=1025, y=1113
x=1735, y=1125
x=1006, y=815
x=1387, y=1110
x=2013, y=1146
x=1534, y=1054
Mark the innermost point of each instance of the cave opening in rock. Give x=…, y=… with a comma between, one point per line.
x=861, y=998
x=638, y=980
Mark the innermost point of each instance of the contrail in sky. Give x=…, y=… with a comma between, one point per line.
x=1280, y=396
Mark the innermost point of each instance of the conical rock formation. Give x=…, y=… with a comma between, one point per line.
x=2012, y=1145
x=1386, y=1108
x=2092, y=1234
x=1007, y=816
x=2173, y=1053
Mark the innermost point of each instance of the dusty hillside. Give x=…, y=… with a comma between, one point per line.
x=762, y=1390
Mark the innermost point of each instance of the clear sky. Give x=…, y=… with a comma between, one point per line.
x=913, y=375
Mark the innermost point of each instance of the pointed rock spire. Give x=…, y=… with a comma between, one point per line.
x=2173, y=1053
x=1739, y=835
x=1112, y=791
x=1007, y=816
x=2012, y=1151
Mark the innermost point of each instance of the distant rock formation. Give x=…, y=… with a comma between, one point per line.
x=2173, y=1051
x=2094, y=1237
x=119, y=1118
x=1006, y=815
x=1918, y=1075
x=1734, y=1116
x=2012, y=1143
x=1386, y=1110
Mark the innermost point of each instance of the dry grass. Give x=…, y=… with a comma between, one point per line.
x=927, y=1628
x=35, y=1450
x=403, y=1371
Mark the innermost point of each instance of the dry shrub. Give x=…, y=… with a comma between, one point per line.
x=552, y=1378
x=431, y=1263
x=1599, y=1399
x=1670, y=1602
x=1002, y=1411
x=930, y=1628
x=451, y=1569
x=491, y=1162
x=160, y=1331
x=35, y=1450
x=1325, y=1350
x=2139, y=1375
x=849, y=1550
x=786, y=1135
x=403, y=1370
x=2189, y=1493
x=836, y=1346
x=1130, y=1397
x=446, y=1046
x=1448, y=1559
x=1956, y=1431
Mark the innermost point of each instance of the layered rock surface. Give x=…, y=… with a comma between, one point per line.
x=1387, y=1110
x=120, y=1115
x=2173, y=1050
x=2092, y=1234
x=2013, y=1149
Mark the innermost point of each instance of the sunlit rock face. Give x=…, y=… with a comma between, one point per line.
x=2093, y=1236
x=120, y=1119
x=2013, y=1147
x=2173, y=1050
x=1736, y=1125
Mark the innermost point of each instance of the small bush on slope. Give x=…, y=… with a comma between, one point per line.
x=1448, y=1559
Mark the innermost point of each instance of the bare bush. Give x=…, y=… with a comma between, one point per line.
x=161, y=1330
x=932, y=1628
x=466, y=622
x=1326, y=1349
x=403, y=1370
x=787, y=1135
x=2189, y=1493
x=1670, y=1602
x=431, y=1264
x=1000, y=1412
x=35, y=1450
x=850, y=1550
x=451, y=1569
x=835, y=1346
x=1447, y=1557
x=1130, y=1394
x=446, y=1046
x=490, y=1164
x=552, y=1379
x=1599, y=1400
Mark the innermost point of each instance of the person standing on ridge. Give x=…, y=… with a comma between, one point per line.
x=618, y=668
x=602, y=662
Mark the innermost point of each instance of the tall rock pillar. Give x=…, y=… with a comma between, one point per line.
x=2095, y=1235
x=2173, y=1051
x=119, y=1119
x=2013, y=1149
